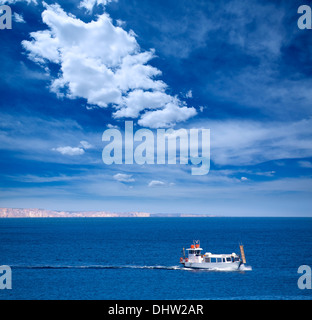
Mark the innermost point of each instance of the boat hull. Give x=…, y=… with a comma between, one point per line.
x=213, y=266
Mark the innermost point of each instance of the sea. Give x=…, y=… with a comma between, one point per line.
x=138, y=258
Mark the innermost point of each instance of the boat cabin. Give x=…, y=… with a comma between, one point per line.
x=220, y=258
x=194, y=253
x=195, y=256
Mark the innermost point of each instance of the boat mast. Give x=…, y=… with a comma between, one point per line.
x=241, y=247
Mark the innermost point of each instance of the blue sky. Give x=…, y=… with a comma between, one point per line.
x=72, y=69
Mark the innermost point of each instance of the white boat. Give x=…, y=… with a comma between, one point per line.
x=196, y=260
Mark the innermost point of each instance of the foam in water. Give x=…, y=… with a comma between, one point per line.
x=95, y=267
x=242, y=267
x=245, y=268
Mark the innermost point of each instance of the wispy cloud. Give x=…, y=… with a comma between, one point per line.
x=86, y=145
x=122, y=177
x=89, y=4
x=156, y=183
x=248, y=142
x=15, y=1
x=18, y=18
x=70, y=151
x=47, y=139
x=305, y=164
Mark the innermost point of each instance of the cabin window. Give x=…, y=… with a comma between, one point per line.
x=191, y=251
x=207, y=260
x=228, y=259
x=223, y=259
x=236, y=259
x=213, y=260
x=219, y=259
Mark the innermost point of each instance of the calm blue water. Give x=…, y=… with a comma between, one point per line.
x=138, y=258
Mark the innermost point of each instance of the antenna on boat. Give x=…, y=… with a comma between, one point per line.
x=241, y=247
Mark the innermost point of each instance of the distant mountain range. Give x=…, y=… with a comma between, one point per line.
x=43, y=213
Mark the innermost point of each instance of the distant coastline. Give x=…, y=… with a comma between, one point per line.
x=43, y=213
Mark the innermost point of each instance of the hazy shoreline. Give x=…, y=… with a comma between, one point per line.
x=43, y=213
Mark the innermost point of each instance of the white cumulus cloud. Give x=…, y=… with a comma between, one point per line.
x=138, y=100
x=104, y=64
x=167, y=116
